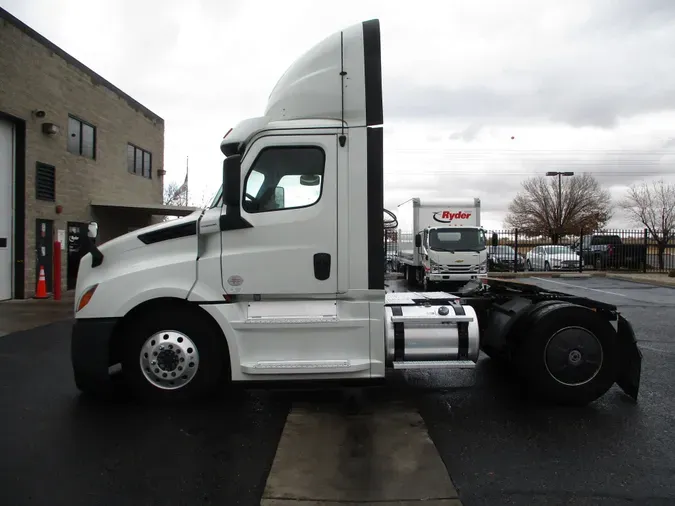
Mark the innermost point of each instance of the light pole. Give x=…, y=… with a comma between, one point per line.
x=560, y=175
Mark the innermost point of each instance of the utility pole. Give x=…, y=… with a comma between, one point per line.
x=560, y=176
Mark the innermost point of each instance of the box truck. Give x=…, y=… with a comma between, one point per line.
x=281, y=278
x=441, y=241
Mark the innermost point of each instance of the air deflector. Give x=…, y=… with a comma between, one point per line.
x=372, y=53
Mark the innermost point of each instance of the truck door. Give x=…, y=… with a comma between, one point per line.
x=289, y=197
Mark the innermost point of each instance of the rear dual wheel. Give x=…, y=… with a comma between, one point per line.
x=569, y=355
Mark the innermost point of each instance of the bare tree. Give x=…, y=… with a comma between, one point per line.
x=541, y=208
x=170, y=190
x=653, y=206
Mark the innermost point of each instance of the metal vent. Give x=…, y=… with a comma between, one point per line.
x=45, y=182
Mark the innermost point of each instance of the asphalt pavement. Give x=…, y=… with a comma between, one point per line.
x=498, y=447
x=59, y=449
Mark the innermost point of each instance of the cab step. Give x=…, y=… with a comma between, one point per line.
x=435, y=364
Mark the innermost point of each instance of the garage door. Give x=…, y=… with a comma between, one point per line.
x=6, y=199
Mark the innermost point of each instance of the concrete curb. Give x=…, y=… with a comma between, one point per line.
x=666, y=283
x=547, y=274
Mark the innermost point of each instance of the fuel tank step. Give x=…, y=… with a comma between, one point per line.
x=435, y=364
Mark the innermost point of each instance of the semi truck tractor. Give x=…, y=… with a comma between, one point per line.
x=281, y=277
x=441, y=241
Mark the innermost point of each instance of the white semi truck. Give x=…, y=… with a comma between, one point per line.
x=282, y=277
x=441, y=241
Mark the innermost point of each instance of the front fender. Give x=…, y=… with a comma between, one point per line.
x=120, y=290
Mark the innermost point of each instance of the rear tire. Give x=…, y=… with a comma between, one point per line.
x=568, y=354
x=174, y=355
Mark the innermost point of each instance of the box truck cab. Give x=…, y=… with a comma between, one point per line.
x=441, y=241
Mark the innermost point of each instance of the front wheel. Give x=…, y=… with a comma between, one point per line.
x=174, y=355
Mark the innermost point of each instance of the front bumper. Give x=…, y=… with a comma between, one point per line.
x=560, y=267
x=449, y=278
x=90, y=352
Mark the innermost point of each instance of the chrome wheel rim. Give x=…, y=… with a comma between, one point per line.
x=573, y=356
x=169, y=360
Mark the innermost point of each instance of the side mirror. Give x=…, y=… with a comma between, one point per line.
x=418, y=241
x=310, y=180
x=279, y=197
x=231, y=180
x=495, y=239
x=92, y=231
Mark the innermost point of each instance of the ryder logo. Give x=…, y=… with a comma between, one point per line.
x=448, y=216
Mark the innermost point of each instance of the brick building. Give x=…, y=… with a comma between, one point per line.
x=73, y=148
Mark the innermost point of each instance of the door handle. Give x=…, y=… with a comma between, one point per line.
x=322, y=266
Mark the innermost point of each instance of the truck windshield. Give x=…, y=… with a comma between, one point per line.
x=457, y=239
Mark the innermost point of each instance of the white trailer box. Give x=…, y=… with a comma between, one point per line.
x=451, y=247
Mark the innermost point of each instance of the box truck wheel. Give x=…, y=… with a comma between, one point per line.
x=173, y=354
x=568, y=354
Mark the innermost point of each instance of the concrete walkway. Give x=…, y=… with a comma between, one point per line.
x=25, y=314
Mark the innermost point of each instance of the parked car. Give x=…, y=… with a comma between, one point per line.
x=502, y=258
x=608, y=250
x=552, y=258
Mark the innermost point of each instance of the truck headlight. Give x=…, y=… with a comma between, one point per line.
x=434, y=266
x=483, y=267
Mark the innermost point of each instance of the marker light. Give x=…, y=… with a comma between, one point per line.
x=86, y=297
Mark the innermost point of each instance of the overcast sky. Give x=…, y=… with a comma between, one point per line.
x=583, y=85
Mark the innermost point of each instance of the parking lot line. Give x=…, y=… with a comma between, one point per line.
x=581, y=287
x=383, y=456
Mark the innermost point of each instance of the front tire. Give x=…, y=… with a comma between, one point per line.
x=174, y=355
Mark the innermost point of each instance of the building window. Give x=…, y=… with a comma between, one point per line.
x=45, y=182
x=139, y=161
x=284, y=178
x=81, y=138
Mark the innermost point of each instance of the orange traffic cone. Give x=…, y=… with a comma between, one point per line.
x=41, y=292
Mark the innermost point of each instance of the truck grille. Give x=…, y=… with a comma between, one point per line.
x=457, y=269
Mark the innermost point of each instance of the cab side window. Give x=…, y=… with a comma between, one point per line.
x=284, y=178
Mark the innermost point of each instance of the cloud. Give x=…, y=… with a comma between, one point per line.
x=468, y=134
x=588, y=86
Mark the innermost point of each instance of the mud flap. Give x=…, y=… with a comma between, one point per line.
x=631, y=359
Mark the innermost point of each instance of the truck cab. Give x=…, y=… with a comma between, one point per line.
x=281, y=277
x=453, y=255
